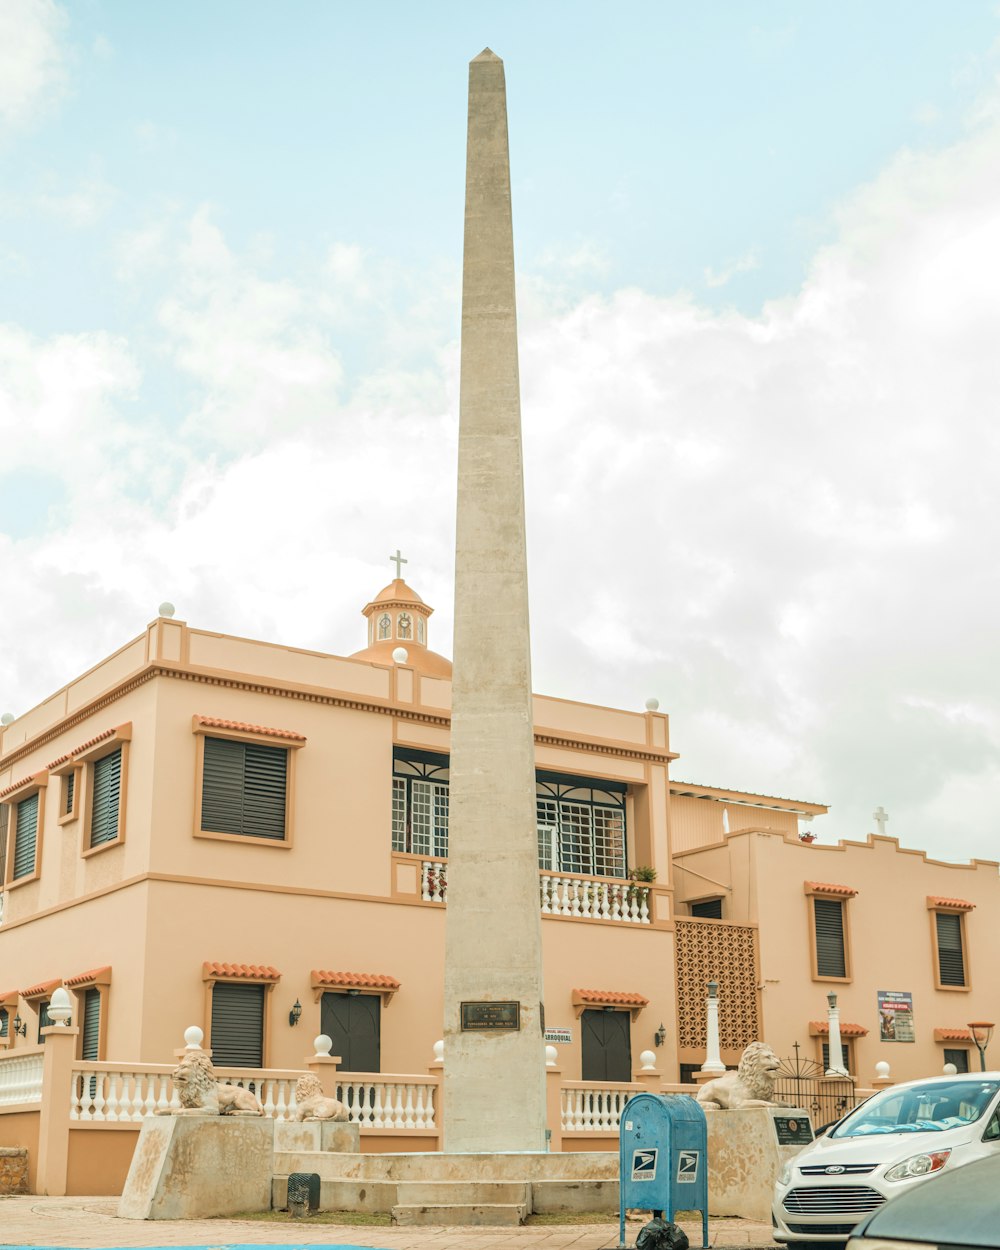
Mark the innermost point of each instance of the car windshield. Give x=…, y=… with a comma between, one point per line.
x=929, y=1108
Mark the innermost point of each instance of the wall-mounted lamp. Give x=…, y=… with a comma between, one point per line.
x=660, y=1036
x=353, y=993
x=20, y=1026
x=295, y=1015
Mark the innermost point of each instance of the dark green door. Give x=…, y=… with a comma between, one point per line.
x=353, y=1021
x=607, y=1046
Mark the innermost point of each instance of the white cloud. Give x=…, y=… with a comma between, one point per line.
x=32, y=71
x=80, y=207
x=743, y=264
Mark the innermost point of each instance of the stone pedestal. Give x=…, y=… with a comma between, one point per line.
x=744, y=1160
x=330, y=1135
x=200, y=1166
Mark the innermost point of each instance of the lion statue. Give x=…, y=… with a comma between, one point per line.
x=201, y=1094
x=751, y=1085
x=312, y=1104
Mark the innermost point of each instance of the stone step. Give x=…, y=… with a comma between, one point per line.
x=502, y=1214
x=572, y=1197
x=452, y=1193
x=568, y=1166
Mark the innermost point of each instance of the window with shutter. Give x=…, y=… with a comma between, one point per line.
x=951, y=955
x=106, y=782
x=244, y=789
x=25, y=837
x=960, y=1058
x=846, y=1049
x=831, y=955
x=90, y=1041
x=44, y=1019
x=4, y=813
x=4, y=1022
x=237, y=1025
x=708, y=909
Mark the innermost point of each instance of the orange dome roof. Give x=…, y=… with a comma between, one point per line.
x=427, y=662
x=398, y=595
x=396, y=592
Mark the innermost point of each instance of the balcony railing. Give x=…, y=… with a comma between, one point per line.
x=609, y=899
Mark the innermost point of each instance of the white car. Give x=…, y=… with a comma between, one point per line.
x=903, y=1136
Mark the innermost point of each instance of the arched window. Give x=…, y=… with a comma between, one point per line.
x=405, y=626
x=384, y=626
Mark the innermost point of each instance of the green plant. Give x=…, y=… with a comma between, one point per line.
x=643, y=873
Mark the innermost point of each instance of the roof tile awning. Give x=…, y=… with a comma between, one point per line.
x=239, y=726
x=23, y=784
x=828, y=887
x=361, y=982
x=96, y=976
x=952, y=1035
x=582, y=999
x=41, y=989
x=821, y=1028
x=935, y=902
x=239, y=972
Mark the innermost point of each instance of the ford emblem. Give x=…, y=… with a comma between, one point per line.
x=834, y=1169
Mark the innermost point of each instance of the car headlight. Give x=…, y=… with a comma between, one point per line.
x=918, y=1165
x=786, y=1175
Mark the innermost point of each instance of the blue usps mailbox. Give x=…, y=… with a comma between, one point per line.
x=663, y=1158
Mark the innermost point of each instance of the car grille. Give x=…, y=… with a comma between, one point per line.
x=847, y=1169
x=833, y=1200
x=823, y=1230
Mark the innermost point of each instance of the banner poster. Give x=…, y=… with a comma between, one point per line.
x=895, y=1016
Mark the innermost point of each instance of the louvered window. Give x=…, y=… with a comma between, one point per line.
x=237, y=1025
x=69, y=790
x=44, y=1019
x=708, y=909
x=831, y=959
x=91, y=1025
x=951, y=958
x=845, y=1048
x=960, y=1058
x=107, y=780
x=4, y=1025
x=244, y=789
x=25, y=837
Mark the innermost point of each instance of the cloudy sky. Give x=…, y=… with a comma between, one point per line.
x=758, y=251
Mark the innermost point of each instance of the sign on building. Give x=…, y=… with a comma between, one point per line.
x=895, y=1016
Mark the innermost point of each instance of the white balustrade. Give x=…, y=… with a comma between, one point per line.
x=590, y=899
x=589, y=1108
x=434, y=880
x=374, y=1102
x=110, y=1094
x=20, y=1078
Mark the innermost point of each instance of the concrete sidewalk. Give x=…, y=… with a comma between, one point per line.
x=92, y=1223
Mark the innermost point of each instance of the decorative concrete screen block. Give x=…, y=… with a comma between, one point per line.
x=751, y=1085
x=745, y=1159
x=199, y=1167
x=13, y=1170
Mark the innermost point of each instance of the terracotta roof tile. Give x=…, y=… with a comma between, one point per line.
x=18, y=784
x=8, y=994
x=240, y=972
x=952, y=1035
x=63, y=759
x=42, y=988
x=82, y=978
x=366, y=980
x=215, y=722
x=820, y=1028
x=611, y=996
x=827, y=887
x=957, y=904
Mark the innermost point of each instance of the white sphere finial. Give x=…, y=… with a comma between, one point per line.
x=652, y=705
x=60, y=1007
x=551, y=1055
x=323, y=1044
x=648, y=1061
x=193, y=1037
x=882, y=1069
x=166, y=609
x=7, y=719
x=949, y=1069
x=439, y=1050
x=400, y=655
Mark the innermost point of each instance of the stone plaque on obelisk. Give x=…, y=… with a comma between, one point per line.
x=494, y=1057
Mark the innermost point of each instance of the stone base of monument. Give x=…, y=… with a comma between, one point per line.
x=199, y=1166
x=307, y=1135
x=745, y=1158
x=456, y=1189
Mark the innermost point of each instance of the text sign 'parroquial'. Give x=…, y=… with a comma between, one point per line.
x=477, y=1016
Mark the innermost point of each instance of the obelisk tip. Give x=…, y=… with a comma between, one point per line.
x=487, y=54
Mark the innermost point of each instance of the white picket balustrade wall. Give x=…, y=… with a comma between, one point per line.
x=20, y=1078
x=588, y=1107
x=594, y=899
x=114, y=1093
x=376, y=1102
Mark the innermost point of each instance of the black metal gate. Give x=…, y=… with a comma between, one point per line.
x=800, y=1082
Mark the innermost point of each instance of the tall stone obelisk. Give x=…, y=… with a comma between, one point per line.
x=494, y=1056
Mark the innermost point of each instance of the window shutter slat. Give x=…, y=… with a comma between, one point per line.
x=25, y=836
x=237, y=1025
x=244, y=789
x=709, y=909
x=830, y=955
x=91, y=1024
x=951, y=958
x=106, y=797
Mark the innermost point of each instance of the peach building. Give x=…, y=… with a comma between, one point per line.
x=252, y=838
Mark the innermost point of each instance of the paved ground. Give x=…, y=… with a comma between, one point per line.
x=92, y=1223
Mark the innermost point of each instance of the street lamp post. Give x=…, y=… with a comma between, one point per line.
x=982, y=1031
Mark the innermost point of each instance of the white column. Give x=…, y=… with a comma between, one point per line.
x=713, y=1063
x=836, y=1064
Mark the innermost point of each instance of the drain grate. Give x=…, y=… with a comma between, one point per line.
x=303, y=1188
